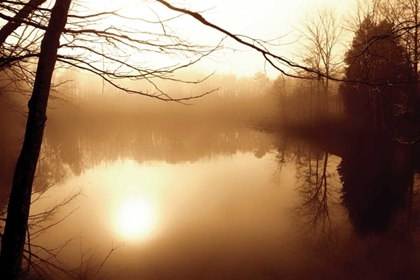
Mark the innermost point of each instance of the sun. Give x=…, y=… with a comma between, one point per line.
x=135, y=218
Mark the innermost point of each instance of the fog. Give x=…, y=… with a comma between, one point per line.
x=233, y=185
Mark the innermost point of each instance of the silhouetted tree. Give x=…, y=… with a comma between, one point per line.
x=405, y=15
x=13, y=239
x=377, y=62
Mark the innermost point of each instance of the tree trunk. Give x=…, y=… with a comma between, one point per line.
x=416, y=53
x=16, y=227
x=326, y=91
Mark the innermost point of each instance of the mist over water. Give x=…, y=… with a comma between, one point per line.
x=196, y=192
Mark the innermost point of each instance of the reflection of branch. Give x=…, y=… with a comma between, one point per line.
x=49, y=266
x=46, y=262
x=37, y=233
x=36, y=220
x=315, y=194
x=113, y=248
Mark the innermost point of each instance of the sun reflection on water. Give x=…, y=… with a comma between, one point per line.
x=135, y=218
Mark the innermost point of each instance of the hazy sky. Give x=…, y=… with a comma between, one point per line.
x=264, y=19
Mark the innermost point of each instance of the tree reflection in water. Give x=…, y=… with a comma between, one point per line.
x=314, y=191
x=377, y=186
x=317, y=184
x=68, y=153
x=377, y=194
x=358, y=208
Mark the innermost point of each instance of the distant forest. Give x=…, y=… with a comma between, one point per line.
x=240, y=100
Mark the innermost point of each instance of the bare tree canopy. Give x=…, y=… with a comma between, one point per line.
x=137, y=49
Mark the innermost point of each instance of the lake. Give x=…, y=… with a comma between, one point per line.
x=145, y=200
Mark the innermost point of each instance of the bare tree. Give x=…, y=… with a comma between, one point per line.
x=322, y=35
x=362, y=10
x=20, y=198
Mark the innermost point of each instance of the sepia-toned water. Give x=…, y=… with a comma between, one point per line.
x=146, y=201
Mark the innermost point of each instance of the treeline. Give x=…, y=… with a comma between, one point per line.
x=232, y=99
x=302, y=100
x=375, y=77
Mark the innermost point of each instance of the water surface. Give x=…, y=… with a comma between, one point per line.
x=222, y=202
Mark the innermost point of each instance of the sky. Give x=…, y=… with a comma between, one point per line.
x=262, y=19
x=266, y=19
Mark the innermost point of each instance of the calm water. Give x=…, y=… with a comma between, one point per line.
x=222, y=202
